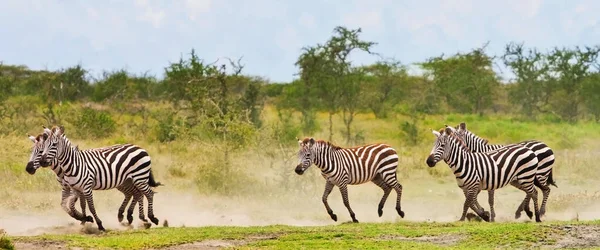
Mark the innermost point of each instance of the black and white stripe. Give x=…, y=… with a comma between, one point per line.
x=127, y=188
x=341, y=167
x=103, y=169
x=544, y=154
x=514, y=164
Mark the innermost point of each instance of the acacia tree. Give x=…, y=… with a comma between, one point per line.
x=385, y=84
x=466, y=81
x=570, y=69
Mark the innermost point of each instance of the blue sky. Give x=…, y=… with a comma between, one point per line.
x=145, y=35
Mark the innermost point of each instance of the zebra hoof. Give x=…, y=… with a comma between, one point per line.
x=120, y=217
x=380, y=212
x=101, y=228
x=355, y=220
x=400, y=212
x=542, y=212
x=129, y=219
x=154, y=220
x=333, y=216
x=89, y=218
x=529, y=214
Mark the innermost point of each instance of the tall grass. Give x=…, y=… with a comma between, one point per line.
x=185, y=160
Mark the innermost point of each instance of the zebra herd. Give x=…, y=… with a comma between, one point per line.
x=476, y=164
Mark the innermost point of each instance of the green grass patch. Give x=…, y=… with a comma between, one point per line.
x=458, y=235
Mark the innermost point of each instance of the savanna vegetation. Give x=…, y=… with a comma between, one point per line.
x=214, y=131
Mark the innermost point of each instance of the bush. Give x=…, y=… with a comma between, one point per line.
x=94, y=123
x=5, y=242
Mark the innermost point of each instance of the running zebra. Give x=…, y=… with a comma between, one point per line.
x=512, y=164
x=127, y=188
x=89, y=170
x=351, y=166
x=544, y=154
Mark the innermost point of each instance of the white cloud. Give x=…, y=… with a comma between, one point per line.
x=195, y=8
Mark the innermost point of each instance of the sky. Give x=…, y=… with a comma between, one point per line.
x=144, y=36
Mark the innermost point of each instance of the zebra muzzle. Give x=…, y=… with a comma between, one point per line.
x=30, y=169
x=299, y=170
x=430, y=162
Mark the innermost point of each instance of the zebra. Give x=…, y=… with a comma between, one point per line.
x=351, y=166
x=127, y=188
x=542, y=151
x=512, y=164
x=89, y=170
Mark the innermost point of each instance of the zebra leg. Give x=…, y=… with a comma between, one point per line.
x=144, y=188
x=471, y=201
x=545, y=193
x=344, y=191
x=90, y=200
x=328, y=188
x=491, y=202
x=124, y=203
x=542, y=183
x=524, y=204
x=386, y=192
x=533, y=194
x=71, y=207
x=393, y=182
x=477, y=206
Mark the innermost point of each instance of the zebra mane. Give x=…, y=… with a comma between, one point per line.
x=329, y=144
x=460, y=141
x=476, y=137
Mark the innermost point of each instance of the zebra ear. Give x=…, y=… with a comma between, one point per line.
x=32, y=138
x=449, y=130
x=462, y=126
x=437, y=134
x=312, y=141
x=45, y=136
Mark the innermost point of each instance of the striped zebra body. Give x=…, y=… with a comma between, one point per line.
x=341, y=167
x=127, y=188
x=544, y=154
x=100, y=169
x=514, y=164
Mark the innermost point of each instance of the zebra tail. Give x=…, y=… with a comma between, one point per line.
x=152, y=182
x=551, y=180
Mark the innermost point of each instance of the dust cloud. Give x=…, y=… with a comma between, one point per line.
x=422, y=201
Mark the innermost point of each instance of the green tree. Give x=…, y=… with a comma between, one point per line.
x=385, y=86
x=465, y=81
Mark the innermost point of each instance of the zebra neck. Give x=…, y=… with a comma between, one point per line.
x=70, y=160
x=324, y=155
x=457, y=153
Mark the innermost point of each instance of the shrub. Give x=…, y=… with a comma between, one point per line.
x=94, y=123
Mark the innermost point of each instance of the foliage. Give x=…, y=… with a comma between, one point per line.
x=466, y=82
x=94, y=123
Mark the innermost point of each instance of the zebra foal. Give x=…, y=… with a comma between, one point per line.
x=341, y=167
x=89, y=170
x=513, y=164
x=543, y=152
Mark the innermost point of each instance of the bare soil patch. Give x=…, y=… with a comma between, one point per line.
x=578, y=236
x=218, y=244
x=442, y=239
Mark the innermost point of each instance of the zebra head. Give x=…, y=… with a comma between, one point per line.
x=37, y=148
x=439, y=146
x=305, y=158
x=51, y=146
x=468, y=137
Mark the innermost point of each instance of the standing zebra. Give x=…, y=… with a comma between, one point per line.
x=544, y=154
x=89, y=170
x=513, y=164
x=351, y=166
x=127, y=188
